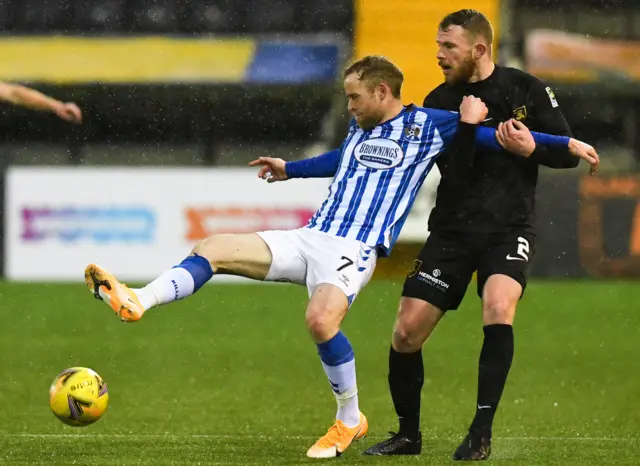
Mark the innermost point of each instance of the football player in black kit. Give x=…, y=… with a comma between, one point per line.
x=482, y=221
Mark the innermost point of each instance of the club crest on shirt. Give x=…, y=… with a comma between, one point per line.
x=412, y=131
x=520, y=113
x=379, y=153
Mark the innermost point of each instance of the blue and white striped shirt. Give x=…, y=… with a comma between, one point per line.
x=380, y=173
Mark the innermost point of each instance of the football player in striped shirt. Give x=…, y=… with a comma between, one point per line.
x=377, y=172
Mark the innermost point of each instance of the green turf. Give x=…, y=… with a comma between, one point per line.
x=230, y=376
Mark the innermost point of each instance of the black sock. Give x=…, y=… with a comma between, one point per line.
x=406, y=377
x=495, y=362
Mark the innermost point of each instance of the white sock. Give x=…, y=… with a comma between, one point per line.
x=146, y=298
x=343, y=382
x=348, y=409
x=174, y=284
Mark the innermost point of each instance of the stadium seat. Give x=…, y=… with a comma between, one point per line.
x=7, y=14
x=44, y=15
x=271, y=16
x=326, y=15
x=100, y=15
x=155, y=16
x=213, y=16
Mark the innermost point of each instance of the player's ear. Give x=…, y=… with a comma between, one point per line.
x=383, y=90
x=479, y=51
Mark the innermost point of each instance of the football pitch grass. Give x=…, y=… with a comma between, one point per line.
x=230, y=376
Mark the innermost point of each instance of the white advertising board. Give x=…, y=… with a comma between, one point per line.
x=137, y=222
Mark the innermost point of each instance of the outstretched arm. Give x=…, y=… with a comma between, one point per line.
x=30, y=98
x=486, y=138
x=322, y=166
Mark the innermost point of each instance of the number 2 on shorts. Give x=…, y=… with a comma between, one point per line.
x=523, y=248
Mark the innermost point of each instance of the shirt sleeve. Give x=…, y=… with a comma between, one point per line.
x=486, y=139
x=549, y=119
x=321, y=166
x=460, y=148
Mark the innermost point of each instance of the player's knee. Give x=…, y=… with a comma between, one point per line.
x=498, y=310
x=321, y=323
x=220, y=251
x=415, y=322
x=209, y=248
x=406, y=337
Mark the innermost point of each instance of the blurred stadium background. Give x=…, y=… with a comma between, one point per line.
x=215, y=83
x=178, y=95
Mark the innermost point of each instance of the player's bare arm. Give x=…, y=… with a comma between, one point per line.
x=22, y=96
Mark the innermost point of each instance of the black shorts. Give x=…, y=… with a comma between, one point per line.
x=444, y=267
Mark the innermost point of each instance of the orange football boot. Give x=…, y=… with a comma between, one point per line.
x=338, y=439
x=105, y=287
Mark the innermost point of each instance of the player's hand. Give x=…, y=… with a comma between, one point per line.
x=272, y=169
x=69, y=112
x=516, y=138
x=586, y=152
x=473, y=110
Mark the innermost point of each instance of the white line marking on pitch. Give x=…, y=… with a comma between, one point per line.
x=299, y=437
